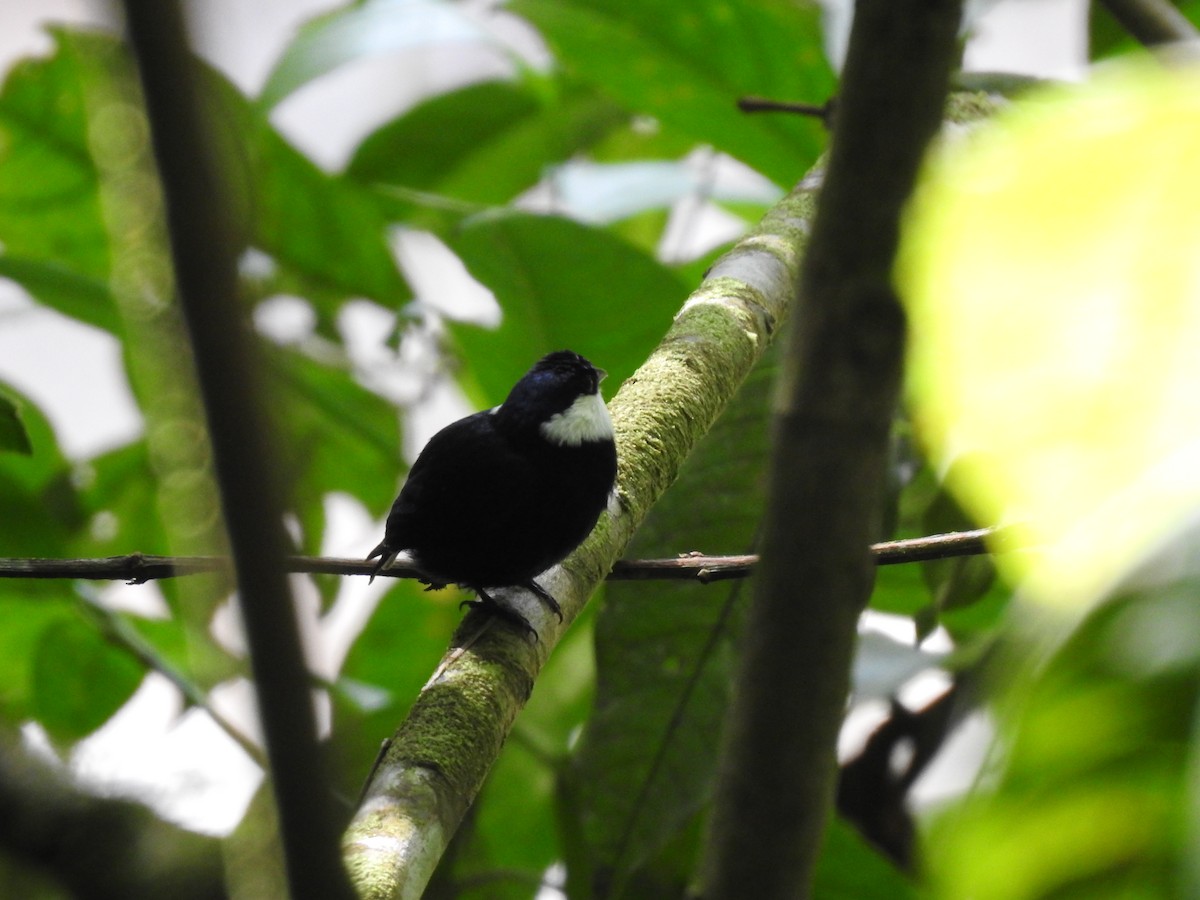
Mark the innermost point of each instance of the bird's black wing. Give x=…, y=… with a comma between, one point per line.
x=450, y=472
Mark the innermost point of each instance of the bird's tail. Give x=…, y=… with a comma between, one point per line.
x=386, y=556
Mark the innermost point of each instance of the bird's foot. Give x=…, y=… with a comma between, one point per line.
x=542, y=594
x=487, y=603
x=386, y=557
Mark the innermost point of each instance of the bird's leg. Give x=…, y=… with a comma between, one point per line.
x=487, y=603
x=542, y=594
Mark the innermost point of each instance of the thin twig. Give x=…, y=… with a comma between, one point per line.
x=138, y=568
x=824, y=112
x=1152, y=22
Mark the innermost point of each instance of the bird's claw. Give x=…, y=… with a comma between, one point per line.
x=486, y=603
x=542, y=594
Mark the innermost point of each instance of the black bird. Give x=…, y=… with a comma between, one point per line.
x=504, y=494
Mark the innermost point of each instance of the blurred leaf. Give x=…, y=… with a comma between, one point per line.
x=910, y=485
x=27, y=610
x=647, y=759
x=849, y=869
x=326, y=233
x=962, y=593
x=51, y=229
x=481, y=145
x=41, y=507
x=13, y=436
x=982, y=618
x=405, y=638
x=365, y=29
x=900, y=590
x=644, y=230
x=122, y=500
x=195, y=654
x=687, y=69
x=602, y=193
x=1066, y=386
x=79, y=679
x=1092, y=796
x=60, y=287
x=960, y=581
x=41, y=515
x=641, y=137
x=560, y=285
x=338, y=436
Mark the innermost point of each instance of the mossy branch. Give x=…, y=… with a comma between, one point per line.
x=438, y=759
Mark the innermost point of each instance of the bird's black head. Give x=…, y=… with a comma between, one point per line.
x=559, y=398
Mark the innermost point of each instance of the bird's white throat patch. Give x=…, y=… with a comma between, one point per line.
x=584, y=421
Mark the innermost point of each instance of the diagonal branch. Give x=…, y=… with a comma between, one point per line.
x=439, y=757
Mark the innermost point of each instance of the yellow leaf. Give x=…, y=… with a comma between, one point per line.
x=1051, y=268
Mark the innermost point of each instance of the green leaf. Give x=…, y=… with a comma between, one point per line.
x=121, y=499
x=646, y=763
x=13, y=436
x=51, y=229
x=434, y=139
x=961, y=581
x=41, y=517
x=688, y=68
x=337, y=436
x=562, y=285
x=480, y=145
x=59, y=286
x=41, y=505
x=79, y=680
x=900, y=590
x=27, y=610
x=850, y=869
x=326, y=233
x=1095, y=793
x=962, y=594
x=981, y=618
x=366, y=29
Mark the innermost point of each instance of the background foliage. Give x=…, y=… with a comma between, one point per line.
x=610, y=766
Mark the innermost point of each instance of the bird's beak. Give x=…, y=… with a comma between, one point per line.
x=600, y=375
